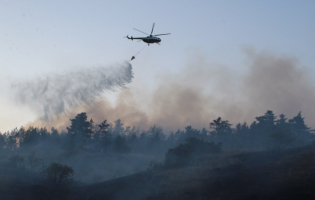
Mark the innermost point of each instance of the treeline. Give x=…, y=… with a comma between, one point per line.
x=267, y=131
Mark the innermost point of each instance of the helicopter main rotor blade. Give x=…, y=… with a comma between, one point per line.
x=152, y=28
x=140, y=31
x=163, y=34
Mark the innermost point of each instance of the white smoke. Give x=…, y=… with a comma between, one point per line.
x=54, y=94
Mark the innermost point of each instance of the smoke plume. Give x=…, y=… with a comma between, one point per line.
x=203, y=91
x=55, y=94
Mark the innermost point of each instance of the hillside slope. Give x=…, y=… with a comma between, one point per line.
x=286, y=174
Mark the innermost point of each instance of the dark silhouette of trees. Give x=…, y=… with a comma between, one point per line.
x=222, y=131
x=30, y=137
x=242, y=129
x=133, y=137
x=281, y=138
x=281, y=134
x=267, y=121
x=282, y=121
x=221, y=126
x=191, y=132
x=80, y=130
x=297, y=123
x=261, y=129
x=253, y=126
x=102, y=137
x=55, y=138
x=119, y=127
x=2, y=142
x=300, y=130
x=11, y=139
x=267, y=131
x=243, y=136
x=171, y=138
x=156, y=133
x=120, y=144
x=44, y=134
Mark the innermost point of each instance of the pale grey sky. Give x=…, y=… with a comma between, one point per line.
x=43, y=37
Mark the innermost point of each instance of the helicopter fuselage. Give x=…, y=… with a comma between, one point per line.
x=148, y=39
x=151, y=39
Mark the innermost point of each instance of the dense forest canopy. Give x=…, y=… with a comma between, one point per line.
x=267, y=131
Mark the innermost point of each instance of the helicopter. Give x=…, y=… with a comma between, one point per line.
x=150, y=38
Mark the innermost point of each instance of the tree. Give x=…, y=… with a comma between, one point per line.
x=204, y=133
x=191, y=132
x=30, y=137
x=11, y=139
x=44, y=134
x=253, y=126
x=119, y=127
x=262, y=128
x=133, y=137
x=298, y=123
x=81, y=129
x=301, y=131
x=266, y=123
x=120, y=144
x=171, y=137
x=220, y=126
x=54, y=136
x=104, y=126
x=179, y=136
x=243, y=138
x=221, y=130
x=58, y=175
x=2, y=141
x=102, y=137
x=20, y=134
x=282, y=121
x=127, y=130
x=282, y=138
x=156, y=133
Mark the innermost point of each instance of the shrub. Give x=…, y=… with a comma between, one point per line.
x=58, y=174
x=182, y=154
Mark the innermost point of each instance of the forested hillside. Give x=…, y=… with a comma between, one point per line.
x=51, y=163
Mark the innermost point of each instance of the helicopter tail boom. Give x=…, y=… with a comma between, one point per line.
x=130, y=38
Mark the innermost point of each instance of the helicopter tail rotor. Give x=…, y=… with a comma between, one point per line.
x=130, y=38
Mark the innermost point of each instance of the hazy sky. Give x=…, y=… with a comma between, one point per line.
x=38, y=38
